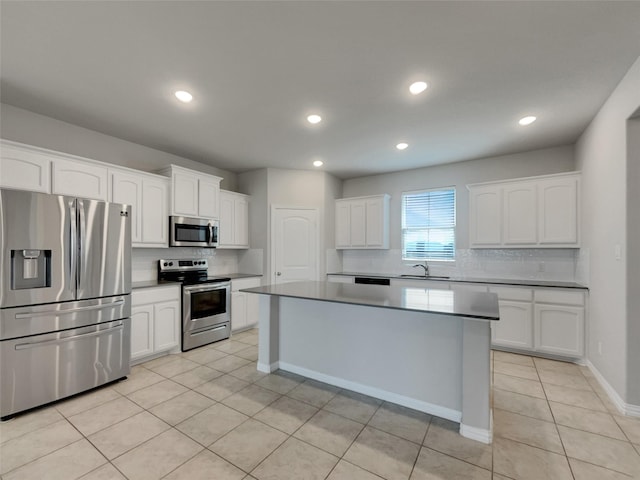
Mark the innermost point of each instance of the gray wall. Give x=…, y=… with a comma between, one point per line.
x=601, y=155
x=633, y=262
x=33, y=129
x=538, y=162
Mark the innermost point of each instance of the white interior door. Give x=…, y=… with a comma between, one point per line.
x=294, y=244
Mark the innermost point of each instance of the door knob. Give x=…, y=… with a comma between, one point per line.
x=278, y=273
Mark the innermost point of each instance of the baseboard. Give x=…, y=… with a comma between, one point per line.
x=621, y=405
x=267, y=368
x=477, y=434
x=437, y=410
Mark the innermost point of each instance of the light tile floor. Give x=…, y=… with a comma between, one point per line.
x=208, y=414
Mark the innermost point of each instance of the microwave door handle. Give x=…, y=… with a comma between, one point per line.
x=210, y=233
x=73, y=236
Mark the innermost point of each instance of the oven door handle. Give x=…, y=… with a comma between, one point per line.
x=206, y=288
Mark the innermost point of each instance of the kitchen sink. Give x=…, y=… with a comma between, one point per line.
x=425, y=277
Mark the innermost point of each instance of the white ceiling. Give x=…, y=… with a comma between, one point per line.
x=257, y=69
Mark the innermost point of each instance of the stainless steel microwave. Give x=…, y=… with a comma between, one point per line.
x=193, y=232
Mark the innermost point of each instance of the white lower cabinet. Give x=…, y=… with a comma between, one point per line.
x=244, y=306
x=559, y=329
x=155, y=321
x=339, y=279
x=514, y=327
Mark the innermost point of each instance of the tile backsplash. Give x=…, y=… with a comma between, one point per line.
x=569, y=265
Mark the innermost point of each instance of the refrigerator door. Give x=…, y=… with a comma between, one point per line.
x=104, y=249
x=37, y=242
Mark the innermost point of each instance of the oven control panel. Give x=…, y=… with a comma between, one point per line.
x=182, y=265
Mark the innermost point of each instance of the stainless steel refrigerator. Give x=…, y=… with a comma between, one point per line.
x=65, y=302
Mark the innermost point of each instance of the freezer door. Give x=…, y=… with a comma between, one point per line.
x=37, y=242
x=104, y=249
x=42, y=368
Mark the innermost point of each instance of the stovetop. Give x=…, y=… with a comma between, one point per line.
x=186, y=271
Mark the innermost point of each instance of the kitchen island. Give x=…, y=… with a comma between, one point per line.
x=422, y=348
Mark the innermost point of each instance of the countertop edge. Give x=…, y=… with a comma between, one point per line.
x=488, y=281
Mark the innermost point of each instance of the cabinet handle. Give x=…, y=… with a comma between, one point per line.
x=278, y=273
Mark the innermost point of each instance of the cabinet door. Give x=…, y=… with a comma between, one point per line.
x=343, y=224
x=154, y=214
x=80, y=179
x=485, y=216
x=185, y=194
x=514, y=329
x=127, y=188
x=227, y=217
x=208, y=198
x=375, y=222
x=358, y=226
x=166, y=324
x=253, y=309
x=141, y=331
x=520, y=218
x=238, y=311
x=241, y=224
x=558, y=210
x=559, y=329
x=24, y=170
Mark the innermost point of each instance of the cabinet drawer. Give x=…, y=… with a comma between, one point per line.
x=146, y=296
x=241, y=283
x=513, y=293
x=562, y=297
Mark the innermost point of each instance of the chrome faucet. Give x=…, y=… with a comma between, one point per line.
x=425, y=266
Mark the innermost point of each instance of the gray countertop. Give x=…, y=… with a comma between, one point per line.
x=157, y=283
x=496, y=281
x=480, y=306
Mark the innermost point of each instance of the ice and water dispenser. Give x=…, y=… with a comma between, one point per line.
x=30, y=269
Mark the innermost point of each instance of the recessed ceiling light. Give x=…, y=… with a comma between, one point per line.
x=318, y=163
x=402, y=146
x=314, y=119
x=417, y=87
x=183, y=96
x=527, y=120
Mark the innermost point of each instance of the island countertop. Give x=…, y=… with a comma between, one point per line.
x=476, y=305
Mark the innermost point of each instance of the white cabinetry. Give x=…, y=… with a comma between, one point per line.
x=155, y=321
x=514, y=329
x=363, y=222
x=193, y=194
x=80, y=178
x=244, y=306
x=533, y=212
x=339, y=279
x=148, y=196
x=559, y=322
x=234, y=220
x=485, y=216
x=24, y=169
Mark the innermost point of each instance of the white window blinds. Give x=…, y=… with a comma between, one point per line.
x=429, y=225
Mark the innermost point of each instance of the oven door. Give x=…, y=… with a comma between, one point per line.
x=205, y=305
x=193, y=232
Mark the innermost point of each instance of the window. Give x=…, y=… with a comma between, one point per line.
x=429, y=225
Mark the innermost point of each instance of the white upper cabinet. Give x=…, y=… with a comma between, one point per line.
x=362, y=222
x=525, y=213
x=234, y=220
x=80, y=178
x=559, y=208
x=485, y=214
x=194, y=194
x=520, y=217
x=148, y=196
x=24, y=169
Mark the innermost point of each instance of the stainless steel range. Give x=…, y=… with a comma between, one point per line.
x=206, y=301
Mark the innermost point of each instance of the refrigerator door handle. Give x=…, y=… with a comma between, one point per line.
x=102, y=306
x=73, y=234
x=82, y=227
x=57, y=341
